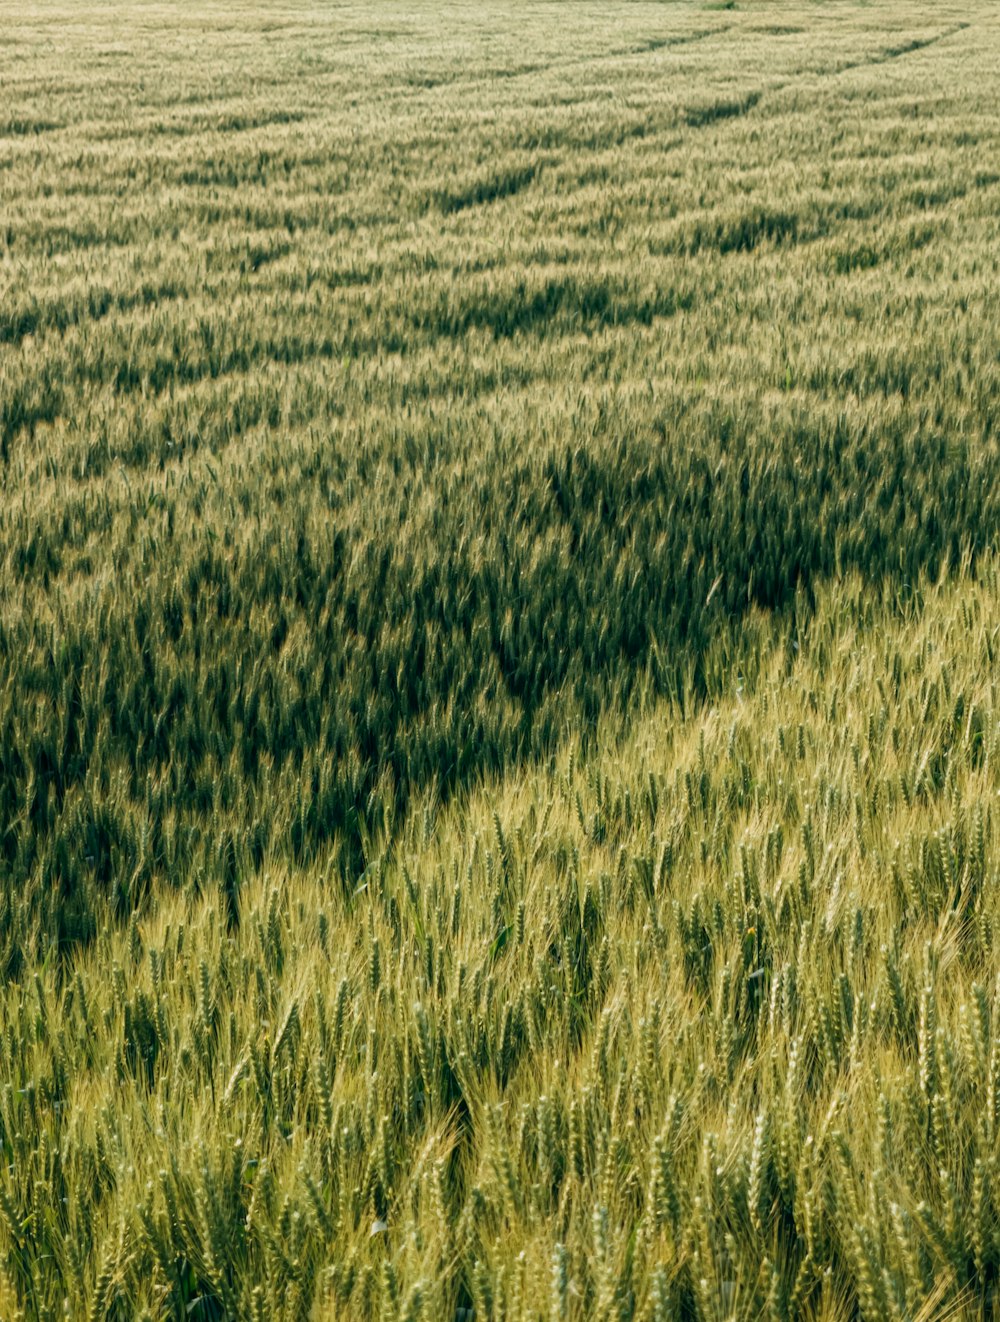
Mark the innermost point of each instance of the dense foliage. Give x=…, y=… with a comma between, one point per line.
x=495, y=814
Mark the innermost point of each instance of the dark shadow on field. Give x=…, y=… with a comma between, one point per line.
x=493, y=187
x=233, y=702
x=701, y=115
x=559, y=303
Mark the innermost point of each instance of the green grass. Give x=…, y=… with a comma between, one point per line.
x=498, y=614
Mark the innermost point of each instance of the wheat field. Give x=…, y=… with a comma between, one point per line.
x=499, y=661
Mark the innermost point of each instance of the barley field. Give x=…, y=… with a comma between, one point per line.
x=499, y=661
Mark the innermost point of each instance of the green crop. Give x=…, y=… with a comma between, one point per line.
x=498, y=617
